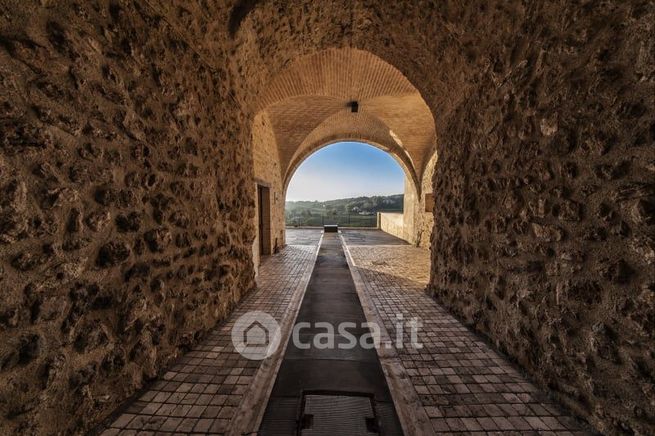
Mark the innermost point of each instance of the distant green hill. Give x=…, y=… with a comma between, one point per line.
x=359, y=211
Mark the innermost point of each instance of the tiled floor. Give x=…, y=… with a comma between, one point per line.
x=462, y=384
x=370, y=237
x=300, y=236
x=202, y=391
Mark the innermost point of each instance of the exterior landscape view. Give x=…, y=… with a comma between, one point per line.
x=346, y=212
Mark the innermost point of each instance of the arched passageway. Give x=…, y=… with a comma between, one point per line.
x=133, y=135
x=338, y=95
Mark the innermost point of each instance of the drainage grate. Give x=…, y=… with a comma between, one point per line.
x=329, y=415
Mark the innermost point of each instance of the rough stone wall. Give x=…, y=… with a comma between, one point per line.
x=545, y=204
x=125, y=206
x=410, y=209
x=417, y=223
x=425, y=219
x=266, y=163
x=543, y=234
x=413, y=224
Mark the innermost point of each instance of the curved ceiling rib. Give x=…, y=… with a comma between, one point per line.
x=309, y=106
x=346, y=126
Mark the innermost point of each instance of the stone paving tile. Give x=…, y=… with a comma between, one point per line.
x=302, y=236
x=201, y=391
x=463, y=384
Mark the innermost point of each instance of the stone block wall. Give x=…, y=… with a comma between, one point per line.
x=125, y=207
x=417, y=219
x=411, y=211
x=425, y=212
x=392, y=223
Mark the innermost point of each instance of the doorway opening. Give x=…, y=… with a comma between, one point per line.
x=264, y=219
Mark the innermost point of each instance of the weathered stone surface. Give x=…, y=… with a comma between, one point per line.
x=544, y=129
x=570, y=309
x=110, y=126
x=97, y=221
x=158, y=239
x=113, y=253
x=128, y=223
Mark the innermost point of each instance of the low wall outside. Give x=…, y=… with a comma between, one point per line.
x=392, y=223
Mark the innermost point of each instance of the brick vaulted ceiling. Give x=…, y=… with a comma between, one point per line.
x=308, y=107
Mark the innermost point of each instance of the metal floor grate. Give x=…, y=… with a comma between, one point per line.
x=329, y=415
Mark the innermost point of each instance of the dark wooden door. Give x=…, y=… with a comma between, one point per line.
x=260, y=208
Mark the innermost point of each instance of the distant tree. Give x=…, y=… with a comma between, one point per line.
x=303, y=211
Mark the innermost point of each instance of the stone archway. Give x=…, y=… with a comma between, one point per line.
x=125, y=166
x=309, y=104
x=301, y=159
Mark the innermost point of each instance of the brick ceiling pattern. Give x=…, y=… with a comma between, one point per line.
x=345, y=125
x=308, y=106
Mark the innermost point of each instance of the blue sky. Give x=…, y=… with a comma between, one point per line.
x=346, y=169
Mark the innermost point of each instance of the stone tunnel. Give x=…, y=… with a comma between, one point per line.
x=145, y=152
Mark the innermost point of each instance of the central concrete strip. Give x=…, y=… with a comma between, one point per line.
x=250, y=411
x=309, y=370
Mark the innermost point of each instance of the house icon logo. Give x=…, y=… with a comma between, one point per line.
x=256, y=335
